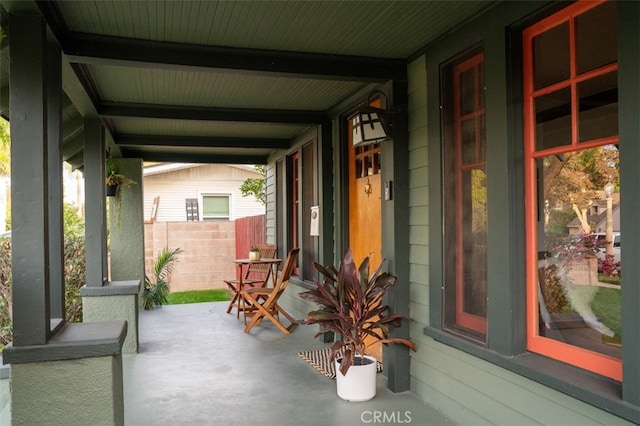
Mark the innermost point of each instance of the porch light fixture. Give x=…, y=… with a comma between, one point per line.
x=370, y=124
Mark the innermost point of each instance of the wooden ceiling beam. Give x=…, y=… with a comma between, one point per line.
x=128, y=140
x=194, y=158
x=100, y=49
x=129, y=110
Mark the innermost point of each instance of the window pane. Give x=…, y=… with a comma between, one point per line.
x=467, y=91
x=553, y=119
x=474, y=246
x=596, y=37
x=468, y=136
x=481, y=142
x=598, y=98
x=215, y=206
x=551, y=56
x=579, y=281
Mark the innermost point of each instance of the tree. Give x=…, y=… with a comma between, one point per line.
x=577, y=178
x=255, y=186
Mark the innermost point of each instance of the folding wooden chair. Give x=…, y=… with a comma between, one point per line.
x=256, y=275
x=263, y=302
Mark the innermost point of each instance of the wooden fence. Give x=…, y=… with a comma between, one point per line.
x=249, y=232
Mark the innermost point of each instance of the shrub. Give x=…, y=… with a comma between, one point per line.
x=609, y=266
x=74, y=276
x=74, y=272
x=555, y=299
x=5, y=291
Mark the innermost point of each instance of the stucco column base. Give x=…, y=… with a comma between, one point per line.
x=117, y=300
x=85, y=391
x=74, y=379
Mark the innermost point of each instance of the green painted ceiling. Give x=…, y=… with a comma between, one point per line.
x=225, y=81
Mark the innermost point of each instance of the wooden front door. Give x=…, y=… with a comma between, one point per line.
x=365, y=205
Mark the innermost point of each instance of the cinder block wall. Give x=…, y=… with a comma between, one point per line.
x=208, y=252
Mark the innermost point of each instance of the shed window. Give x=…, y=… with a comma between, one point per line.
x=215, y=207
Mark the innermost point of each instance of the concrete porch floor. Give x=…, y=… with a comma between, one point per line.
x=196, y=366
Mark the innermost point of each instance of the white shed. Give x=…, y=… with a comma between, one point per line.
x=186, y=192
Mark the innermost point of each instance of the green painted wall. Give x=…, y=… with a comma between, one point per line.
x=466, y=388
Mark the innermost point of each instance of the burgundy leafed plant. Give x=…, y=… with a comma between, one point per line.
x=351, y=305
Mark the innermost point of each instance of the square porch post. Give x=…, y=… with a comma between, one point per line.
x=47, y=355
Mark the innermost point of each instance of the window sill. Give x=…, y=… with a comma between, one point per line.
x=592, y=389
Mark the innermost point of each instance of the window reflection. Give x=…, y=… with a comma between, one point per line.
x=579, y=268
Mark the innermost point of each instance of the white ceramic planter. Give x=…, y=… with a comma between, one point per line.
x=360, y=382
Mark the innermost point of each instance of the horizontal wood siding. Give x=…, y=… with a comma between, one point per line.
x=294, y=304
x=270, y=219
x=194, y=182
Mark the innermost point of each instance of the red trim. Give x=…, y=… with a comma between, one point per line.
x=463, y=318
x=295, y=205
x=580, y=357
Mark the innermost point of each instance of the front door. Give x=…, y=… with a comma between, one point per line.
x=365, y=193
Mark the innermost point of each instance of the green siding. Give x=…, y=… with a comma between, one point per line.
x=270, y=211
x=466, y=388
x=294, y=304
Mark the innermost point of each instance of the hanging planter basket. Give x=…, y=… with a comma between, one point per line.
x=112, y=190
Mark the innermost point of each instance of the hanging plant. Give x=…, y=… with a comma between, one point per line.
x=115, y=181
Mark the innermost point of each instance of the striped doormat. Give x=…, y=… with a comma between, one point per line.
x=319, y=359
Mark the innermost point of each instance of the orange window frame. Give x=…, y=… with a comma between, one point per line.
x=294, y=161
x=598, y=363
x=463, y=318
x=295, y=199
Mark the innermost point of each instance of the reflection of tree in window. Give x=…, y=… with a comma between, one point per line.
x=574, y=179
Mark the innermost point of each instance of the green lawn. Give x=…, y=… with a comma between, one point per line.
x=603, y=302
x=606, y=306
x=183, y=297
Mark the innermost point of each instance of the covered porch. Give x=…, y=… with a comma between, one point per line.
x=196, y=366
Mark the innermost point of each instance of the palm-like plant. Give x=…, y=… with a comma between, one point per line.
x=351, y=305
x=156, y=291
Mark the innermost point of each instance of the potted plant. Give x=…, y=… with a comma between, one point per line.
x=254, y=253
x=351, y=306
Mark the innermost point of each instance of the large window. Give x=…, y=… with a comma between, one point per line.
x=572, y=188
x=465, y=196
